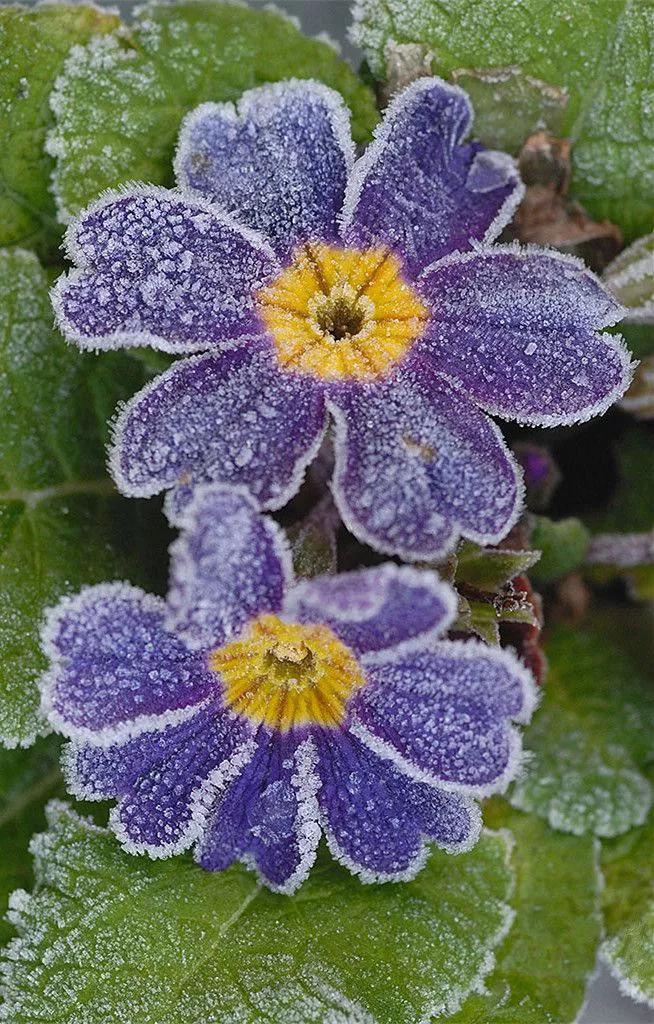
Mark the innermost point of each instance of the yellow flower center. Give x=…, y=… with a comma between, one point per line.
x=284, y=675
x=341, y=313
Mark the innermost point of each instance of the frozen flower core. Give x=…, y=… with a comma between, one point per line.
x=338, y=312
x=285, y=674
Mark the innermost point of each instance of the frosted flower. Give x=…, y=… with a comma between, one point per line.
x=246, y=715
x=322, y=288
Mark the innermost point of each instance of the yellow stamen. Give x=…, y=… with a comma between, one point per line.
x=340, y=313
x=284, y=674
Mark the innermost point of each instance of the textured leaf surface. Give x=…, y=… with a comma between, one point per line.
x=590, y=738
x=120, y=101
x=60, y=526
x=628, y=903
x=27, y=779
x=582, y=69
x=110, y=938
x=34, y=44
x=488, y=569
x=556, y=899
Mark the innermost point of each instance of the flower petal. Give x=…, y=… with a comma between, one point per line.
x=233, y=417
x=376, y=819
x=419, y=189
x=444, y=715
x=116, y=671
x=269, y=816
x=417, y=464
x=158, y=268
x=165, y=808
x=373, y=609
x=229, y=565
x=278, y=161
x=516, y=328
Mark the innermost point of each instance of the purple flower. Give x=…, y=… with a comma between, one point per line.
x=248, y=714
x=319, y=287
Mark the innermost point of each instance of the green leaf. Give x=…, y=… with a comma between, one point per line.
x=34, y=43
x=590, y=738
x=120, y=101
x=562, y=544
x=110, y=938
x=581, y=69
x=27, y=779
x=556, y=895
x=61, y=523
x=628, y=903
x=489, y=569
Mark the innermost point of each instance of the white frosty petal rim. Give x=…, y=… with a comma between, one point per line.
x=307, y=825
x=612, y=341
x=117, y=428
x=120, y=732
x=505, y=213
x=252, y=101
x=349, y=517
x=200, y=804
x=620, y=971
x=129, y=339
x=182, y=561
x=381, y=133
x=408, y=575
x=469, y=650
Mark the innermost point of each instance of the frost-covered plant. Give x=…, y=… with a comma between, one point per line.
x=338, y=331
x=367, y=290
x=248, y=714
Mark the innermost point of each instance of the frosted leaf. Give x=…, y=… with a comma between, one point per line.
x=167, y=943
x=556, y=895
x=585, y=74
x=589, y=740
x=630, y=277
x=34, y=42
x=628, y=904
x=120, y=101
x=59, y=516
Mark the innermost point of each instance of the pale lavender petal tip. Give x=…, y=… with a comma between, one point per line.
x=422, y=190
x=517, y=329
x=221, y=578
x=278, y=161
x=234, y=418
x=155, y=267
x=377, y=608
x=418, y=465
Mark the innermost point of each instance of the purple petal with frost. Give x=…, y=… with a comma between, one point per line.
x=165, y=810
x=278, y=161
x=162, y=269
x=376, y=819
x=115, y=668
x=419, y=189
x=269, y=817
x=444, y=715
x=417, y=464
x=221, y=579
x=234, y=417
x=102, y=772
x=517, y=329
x=377, y=608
